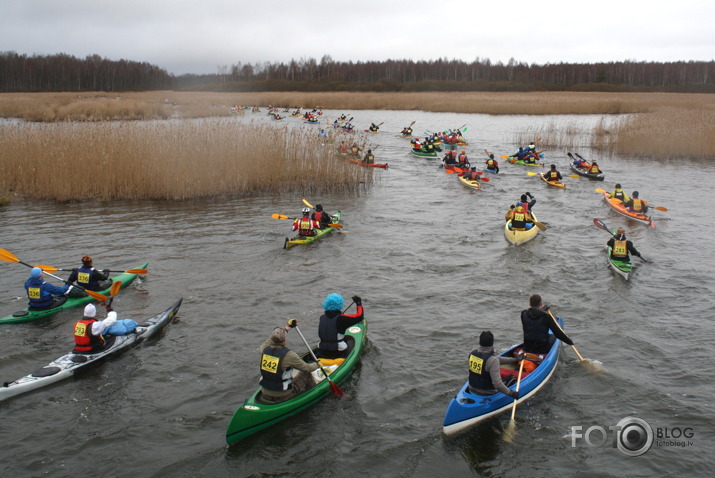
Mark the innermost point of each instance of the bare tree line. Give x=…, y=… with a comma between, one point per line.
x=66, y=73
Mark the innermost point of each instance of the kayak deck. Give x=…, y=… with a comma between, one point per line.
x=518, y=237
x=621, y=268
x=71, y=363
x=27, y=314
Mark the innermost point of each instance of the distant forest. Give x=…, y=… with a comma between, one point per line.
x=22, y=73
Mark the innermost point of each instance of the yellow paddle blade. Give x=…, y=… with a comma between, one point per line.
x=599, y=190
x=116, y=287
x=279, y=216
x=47, y=268
x=8, y=256
x=308, y=204
x=573, y=176
x=531, y=173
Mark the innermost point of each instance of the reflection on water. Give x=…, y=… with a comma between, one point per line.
x=430, y=260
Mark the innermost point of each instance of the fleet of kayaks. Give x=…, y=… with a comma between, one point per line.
x=555, y=184
x=617, y=205
x=622, y=268
x=26, y=314
x=298, y=240
x=520, y=236
x=254, y=415
x=467, y=409
x=71, y=363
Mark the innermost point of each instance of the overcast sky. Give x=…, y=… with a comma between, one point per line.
x=199, y=36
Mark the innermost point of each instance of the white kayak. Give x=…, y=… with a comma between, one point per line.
x=71, y=363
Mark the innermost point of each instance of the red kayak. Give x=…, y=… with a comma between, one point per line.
x=369, y=165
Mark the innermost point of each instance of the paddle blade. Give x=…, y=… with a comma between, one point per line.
x=47, y=268
x=661, y=208
x=541, y=226
x=335, y=390
x=531, y=173
x=600, y=224
x=279, y=216
x=116, y=287
x=96, y=295
x=139, y=272
x=599, y=190
x=336, y=226
x=510, y=431
x=504, y=156
x=307, y=203
x=573, y=176
x=8, y=256
x=449, y=171
x=486, y=180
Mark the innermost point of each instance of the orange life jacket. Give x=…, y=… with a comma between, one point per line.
x=83, y=338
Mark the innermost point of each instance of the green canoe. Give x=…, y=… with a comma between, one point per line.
x=424, y=154
x=254, y=416
x=27, y=315
x=297, y=240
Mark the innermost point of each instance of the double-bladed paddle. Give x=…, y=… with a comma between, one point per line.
x=602, y=225
x=47, y=268
x=8, y=256
x=283, y=216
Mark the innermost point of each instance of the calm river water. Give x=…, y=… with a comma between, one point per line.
x=430, y=260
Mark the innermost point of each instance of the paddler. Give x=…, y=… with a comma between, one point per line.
x=636, y=205
x=553, y=174
x=594, y=169
x=88, y=331
x=492, y=164
x=277, y=364
x=90, y=278
x=333, y=324
x=462, y=159
x=471, y=175
x=536, y=323
x=305, y=225
x=43, y=295
x=618, y=193
x=621, y=247
x=484, y=365
x=520, y=219
x=321, y=217
x=369, y=157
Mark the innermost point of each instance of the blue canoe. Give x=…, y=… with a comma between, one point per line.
x=467, y=409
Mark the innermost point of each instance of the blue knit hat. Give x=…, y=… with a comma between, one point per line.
x=36, y=273
x=333, y=302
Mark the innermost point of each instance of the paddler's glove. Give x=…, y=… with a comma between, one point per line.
x=357, y=300
x=68, y=290
x=529, y=194
x=514, y=394
x=520, y=356
x=546, y=307
x=105, y=271
x=292, y=323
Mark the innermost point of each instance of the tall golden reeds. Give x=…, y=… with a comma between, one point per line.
x=174, y=160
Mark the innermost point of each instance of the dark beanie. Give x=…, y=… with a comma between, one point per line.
x=486, y=339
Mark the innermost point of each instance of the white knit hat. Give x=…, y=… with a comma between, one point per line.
x=90, y=311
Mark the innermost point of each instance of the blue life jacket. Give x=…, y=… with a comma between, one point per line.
x=40, y=293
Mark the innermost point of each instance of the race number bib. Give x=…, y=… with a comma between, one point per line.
x=475, y=364
x=83, y=277
x=33, y=292
x=269, y=363
x=80, y=329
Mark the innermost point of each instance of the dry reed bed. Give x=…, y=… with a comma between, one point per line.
x=173, y=160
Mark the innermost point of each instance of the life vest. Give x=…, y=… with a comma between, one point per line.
x=84, y=278
x=328, y=333
x=83, y=338
x=305, y=226
x=620, y=249
x=430, y=147
x=479, y=378
x=418, y=146
x=553, y=176
x=472, y=176
x=38, y=297
x=369, y=158
x=618, y=194
x=462, y=158
x=594, y=169
x=354, y=150
x=491, y=163
x=518, y=219
x=271, y=365
x=637, y=205
x=535, y=330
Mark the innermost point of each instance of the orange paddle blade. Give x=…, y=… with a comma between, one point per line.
x=47, y=268
x=139, y=272
x=96, y=295
x=8, y=256
x=486, y=180
x=279, y=216
x=335, y=225
x=116, y=287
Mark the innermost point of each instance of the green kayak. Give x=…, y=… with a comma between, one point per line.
x=254, y=415
x=424, y=154
x=27, y=315
x=620, y=267
x=297, y=240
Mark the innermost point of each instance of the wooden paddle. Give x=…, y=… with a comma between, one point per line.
x=8, y=256
x=596, y=367
x=333, y=387
x=511, y=428
x=47, y=268
x=602, y=225
x=283, y=216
